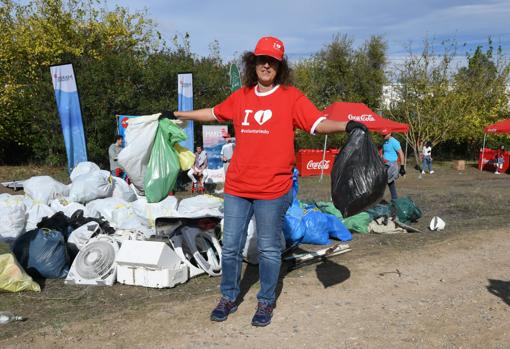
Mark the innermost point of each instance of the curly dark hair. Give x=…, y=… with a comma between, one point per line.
x=283, y=75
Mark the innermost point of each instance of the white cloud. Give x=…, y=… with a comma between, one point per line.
x=307, y=26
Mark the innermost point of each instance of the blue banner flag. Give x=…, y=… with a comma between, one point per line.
x=185, y=103
x=68, y=105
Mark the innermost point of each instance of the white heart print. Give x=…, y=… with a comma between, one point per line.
x=262, y=116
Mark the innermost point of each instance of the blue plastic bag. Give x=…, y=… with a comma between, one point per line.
x=42, y=253
x=318, y=227
x=305, y=223
x=315, y=226
x=295, y=183
x=337, y=229
x=292, y=228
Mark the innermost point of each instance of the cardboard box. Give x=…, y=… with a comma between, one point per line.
x=459, y=165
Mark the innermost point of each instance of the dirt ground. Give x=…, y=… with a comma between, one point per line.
x=447, y=289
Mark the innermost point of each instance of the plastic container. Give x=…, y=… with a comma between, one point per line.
x=6, y=317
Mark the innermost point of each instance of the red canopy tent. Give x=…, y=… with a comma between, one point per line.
x=345, y=111
x=499, y=127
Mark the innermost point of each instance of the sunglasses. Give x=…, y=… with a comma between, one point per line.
x=266, y=59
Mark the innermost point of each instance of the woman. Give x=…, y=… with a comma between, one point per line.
x=426, y=164
x=264, y=114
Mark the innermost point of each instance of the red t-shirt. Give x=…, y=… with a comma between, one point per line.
x=261, y=167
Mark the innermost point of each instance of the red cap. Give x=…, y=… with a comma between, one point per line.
x=270, y=46
x=385, y=131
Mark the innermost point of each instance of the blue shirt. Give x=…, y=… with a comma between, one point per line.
x=390, y=149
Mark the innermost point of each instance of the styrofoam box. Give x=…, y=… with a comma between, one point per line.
x=149, y=264
x=141, y=276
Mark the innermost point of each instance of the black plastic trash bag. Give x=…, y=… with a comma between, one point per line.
x=42, y=253
x=358, y=178
x=59, y=221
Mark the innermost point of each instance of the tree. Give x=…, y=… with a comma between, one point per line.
x=442, y=103
x=425, y=97
x=339, y=72
x=100, y=43
x=484, y=82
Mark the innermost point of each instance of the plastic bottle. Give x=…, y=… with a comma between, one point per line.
x=6, y=317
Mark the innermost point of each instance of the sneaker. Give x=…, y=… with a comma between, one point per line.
x=431, y=172
x=422, y=172
x=263, y=315
x=223, y=309
x=497, y=172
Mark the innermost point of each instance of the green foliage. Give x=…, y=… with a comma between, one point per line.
x=339, y=72
x=484, y=83
x=441, y=104
x=121, y=66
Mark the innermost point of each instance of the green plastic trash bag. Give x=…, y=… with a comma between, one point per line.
x=407, y=211
x=12, y=276
x=328, y=207
x=358, y=223
x=164, y=165
x=382, y=209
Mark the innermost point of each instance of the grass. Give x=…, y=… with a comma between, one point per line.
x=11, y=173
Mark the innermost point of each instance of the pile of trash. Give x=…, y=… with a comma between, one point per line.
x=98, y=230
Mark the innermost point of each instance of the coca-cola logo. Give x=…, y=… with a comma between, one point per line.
x=319, y=165
x=362, y=117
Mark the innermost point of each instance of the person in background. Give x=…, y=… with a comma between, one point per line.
x=392, y=152
x=113, y=153
x=500, y=159
x=199, y=168
x=264, y=112
x=426, y=163
x=227, y=150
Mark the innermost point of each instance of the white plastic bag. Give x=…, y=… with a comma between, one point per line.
x=200, y=206
x=119, y=213
x=82, y=168
x=36, y=214
x=79, y=237
x=91, y=186
x=104, y=207
x=122, y=190
x=42, y=189
x=135, y=156
x=66, y=206
x=13, y=216
x=149, y=212
x=27, y=200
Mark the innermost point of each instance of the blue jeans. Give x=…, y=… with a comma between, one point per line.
x=269, y=215
x=392, y=170
x=426, y=164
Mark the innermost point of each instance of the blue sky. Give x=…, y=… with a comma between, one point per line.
x=307, y=26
